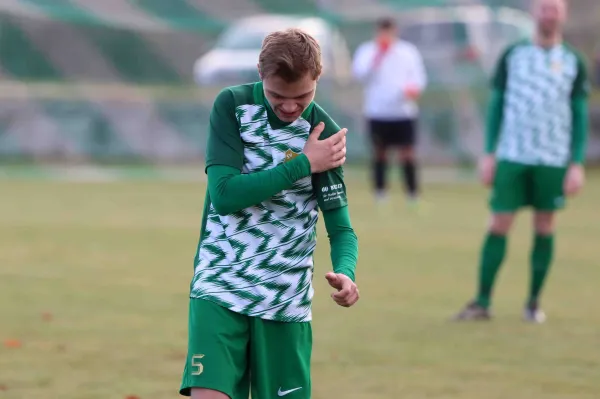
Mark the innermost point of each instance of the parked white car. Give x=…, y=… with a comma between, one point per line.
x=234, y=57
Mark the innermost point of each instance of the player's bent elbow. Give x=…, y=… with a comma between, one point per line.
x=221, y=199
x=223, y=210
x=222, y=206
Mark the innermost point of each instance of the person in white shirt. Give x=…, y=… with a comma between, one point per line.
x=394, y=77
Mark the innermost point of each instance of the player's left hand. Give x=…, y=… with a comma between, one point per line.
x=347, y=291
x=574, y=180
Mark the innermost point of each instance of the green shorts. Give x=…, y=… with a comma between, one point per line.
x=518, y=185
x=237, y=354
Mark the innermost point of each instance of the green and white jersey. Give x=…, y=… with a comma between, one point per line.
x=539, y=86
x=259, y=261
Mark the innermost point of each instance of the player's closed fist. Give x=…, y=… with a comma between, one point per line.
x=574, y=180
x=487, y=170
x=325, y=154
x=347, y=291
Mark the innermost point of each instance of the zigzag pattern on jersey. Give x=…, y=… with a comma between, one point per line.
x=536, y=127
x=258, y=261
x=253, y=130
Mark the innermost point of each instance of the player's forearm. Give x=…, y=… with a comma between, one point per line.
x=343, y=241
x=494, y=120
x=579, y=139
x=230, y=191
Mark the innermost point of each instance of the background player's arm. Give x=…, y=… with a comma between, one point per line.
x=496, y=105
x=580, y=120
x=574, y=179
x=229, y=189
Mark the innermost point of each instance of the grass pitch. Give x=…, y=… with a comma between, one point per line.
x=94, y=281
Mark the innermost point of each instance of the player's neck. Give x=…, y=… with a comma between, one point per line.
x=548, y=41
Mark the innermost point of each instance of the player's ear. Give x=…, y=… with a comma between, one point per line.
x=259, y=72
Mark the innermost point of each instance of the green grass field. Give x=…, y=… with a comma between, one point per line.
x=94, y=280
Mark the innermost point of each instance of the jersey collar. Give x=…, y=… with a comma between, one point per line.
x=259, y=99
x=534, y=43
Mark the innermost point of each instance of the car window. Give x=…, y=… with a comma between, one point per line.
x=496, y=35
x=243, y=38
x=506, y=31
x=413, y=34
x=436, y=34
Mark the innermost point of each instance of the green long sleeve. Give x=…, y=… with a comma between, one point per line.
x=230, y=191
x=494, y=120
x=343, y=241
x=580, y=128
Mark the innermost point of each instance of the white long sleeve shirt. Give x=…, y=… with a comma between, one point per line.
x=384, y=86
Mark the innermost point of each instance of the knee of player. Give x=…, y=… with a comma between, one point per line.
x=500, y=224
x=407, y=154
x=543, y=223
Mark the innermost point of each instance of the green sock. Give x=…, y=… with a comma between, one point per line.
x=492, y=255
x=541, y=258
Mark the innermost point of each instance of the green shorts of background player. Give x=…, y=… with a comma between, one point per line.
x=274, y=161
x=535, y=148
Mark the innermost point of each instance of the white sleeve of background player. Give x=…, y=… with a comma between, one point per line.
x=363, y=62
x=419, y=73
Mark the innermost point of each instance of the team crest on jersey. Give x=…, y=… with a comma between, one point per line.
x=289, y=155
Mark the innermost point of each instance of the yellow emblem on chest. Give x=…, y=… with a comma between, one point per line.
x=289, y=155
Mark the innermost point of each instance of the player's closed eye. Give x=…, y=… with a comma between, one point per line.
x=280, y=97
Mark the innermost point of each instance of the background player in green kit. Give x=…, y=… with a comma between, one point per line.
x=274, y=159
x=535, y=145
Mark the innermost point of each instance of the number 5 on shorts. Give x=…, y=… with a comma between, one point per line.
x=196, y=363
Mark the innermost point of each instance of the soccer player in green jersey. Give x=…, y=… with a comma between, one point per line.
x=274, y=159
x=535, y=149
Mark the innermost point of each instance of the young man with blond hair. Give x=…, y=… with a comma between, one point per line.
x=274, y=158
x=535, y=149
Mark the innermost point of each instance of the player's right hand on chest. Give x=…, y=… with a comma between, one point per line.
x=325, y=154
